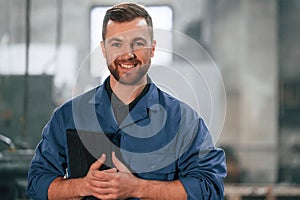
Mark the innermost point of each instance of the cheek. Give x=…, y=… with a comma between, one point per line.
x=144, y=55
x=110, y=57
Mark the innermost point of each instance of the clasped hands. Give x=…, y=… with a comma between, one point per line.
x=114, y=183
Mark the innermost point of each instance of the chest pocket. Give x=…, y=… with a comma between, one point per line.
x=167, y=173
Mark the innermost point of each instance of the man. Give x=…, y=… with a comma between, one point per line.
x=166, y=149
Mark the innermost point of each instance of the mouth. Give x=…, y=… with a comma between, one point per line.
x=127, y=66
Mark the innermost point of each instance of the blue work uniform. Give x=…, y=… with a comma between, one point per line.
x=161, y=138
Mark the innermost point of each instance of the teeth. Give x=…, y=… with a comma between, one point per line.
x=126, y=66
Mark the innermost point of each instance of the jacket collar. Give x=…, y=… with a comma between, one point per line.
x=147, y=104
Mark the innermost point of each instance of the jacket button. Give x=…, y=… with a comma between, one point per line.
x=153, y=166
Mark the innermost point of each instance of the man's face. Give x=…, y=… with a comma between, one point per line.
x=128, y=50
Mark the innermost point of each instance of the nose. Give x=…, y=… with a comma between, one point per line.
x=128, y=53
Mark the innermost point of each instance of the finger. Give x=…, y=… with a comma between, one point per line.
x=105, y=194
x=98, y=163
x=118, y=164
x=103, y=175
x=112, y=170
x=99, y=184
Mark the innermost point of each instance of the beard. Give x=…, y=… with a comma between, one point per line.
x=130, y=77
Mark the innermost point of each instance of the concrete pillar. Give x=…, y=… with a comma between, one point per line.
x=258, y=90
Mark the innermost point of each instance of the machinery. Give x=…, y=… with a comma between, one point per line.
x=20, y=131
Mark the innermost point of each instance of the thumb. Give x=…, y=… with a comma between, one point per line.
x=118, y=164
x=98, y=163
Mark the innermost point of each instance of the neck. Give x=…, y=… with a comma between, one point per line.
x=127, y=93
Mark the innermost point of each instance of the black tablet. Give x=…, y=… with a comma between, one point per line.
x=84, y=148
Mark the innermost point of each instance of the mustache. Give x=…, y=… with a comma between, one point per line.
x=132, y=61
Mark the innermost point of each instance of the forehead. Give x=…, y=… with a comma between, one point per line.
x=135, y=28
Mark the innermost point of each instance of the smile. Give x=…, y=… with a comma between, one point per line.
x=127, y=66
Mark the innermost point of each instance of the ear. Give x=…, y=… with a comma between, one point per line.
x=153, y=47
x=103, y=48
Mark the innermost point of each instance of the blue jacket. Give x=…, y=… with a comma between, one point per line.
x=161, y=139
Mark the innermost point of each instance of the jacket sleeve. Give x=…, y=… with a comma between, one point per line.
x=49, y=160
x=202, y=167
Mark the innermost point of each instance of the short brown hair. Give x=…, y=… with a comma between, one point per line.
x=126, y=12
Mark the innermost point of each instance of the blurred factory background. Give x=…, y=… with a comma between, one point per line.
x=254, y=43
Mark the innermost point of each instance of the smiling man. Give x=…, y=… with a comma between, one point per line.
x=128, y=50
x=164, y=148
x=128, y=47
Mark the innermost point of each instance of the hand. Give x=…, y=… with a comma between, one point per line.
x=112, y=184
x=95, y=180
x=118, y=164
x=115, y=183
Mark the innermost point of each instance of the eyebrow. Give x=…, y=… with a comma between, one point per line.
x=120, y=40
x=140, y=38
x=114, y=40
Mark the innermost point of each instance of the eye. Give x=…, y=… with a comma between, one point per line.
x=116, y=44
x=138, y=44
